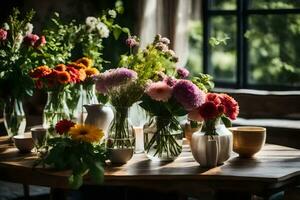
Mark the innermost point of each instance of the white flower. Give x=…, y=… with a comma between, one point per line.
x=18, y=40
x=28, y=28
x=112, y=13
x=6, y=26
x=103, y=30
x=91, y=23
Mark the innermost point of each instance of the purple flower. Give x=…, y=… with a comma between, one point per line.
x=132, y=41
x=3, y=34
x=161, y=46
x=188, y=94
x=182, y=72
x=114, y=78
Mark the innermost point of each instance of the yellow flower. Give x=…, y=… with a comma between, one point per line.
x=91, y=71
x=86, y=133
x=86, y=61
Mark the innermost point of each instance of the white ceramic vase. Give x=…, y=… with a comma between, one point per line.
x=100, y=116
x=212, y=150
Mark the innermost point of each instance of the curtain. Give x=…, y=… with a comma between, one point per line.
x=170, y=18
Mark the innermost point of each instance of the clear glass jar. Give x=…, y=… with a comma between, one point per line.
x=14, y=116
x=87, y=97
x=120, y=142
x=55, y=110
x=163, y=138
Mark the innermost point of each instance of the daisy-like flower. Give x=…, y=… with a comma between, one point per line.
x=77, y=65
x=63, y=77
x=63, y=126
x=86, y=133
x=85, y=61
x=102, y=30
x=159, y=91
x=188, y=94
x=91, y=72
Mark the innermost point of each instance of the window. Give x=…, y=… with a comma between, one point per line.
x=263, y=51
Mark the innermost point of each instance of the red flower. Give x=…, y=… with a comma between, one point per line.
x=64, y=126
x=231, y=106
x=74, y=73
x=214, y=98
x=209, y=110
x=40, y=72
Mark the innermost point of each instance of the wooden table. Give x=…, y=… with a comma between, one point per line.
x=273, y=169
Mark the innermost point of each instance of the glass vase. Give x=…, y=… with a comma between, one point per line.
x=87, y=97
x=73, y=95
x=14, y=117
x=55, y=110
x=120, y=143
x=163, y=138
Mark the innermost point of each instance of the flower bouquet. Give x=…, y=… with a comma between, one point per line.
x=213, y=144
x=76, y=147
x=56, y=81
x=18, y=47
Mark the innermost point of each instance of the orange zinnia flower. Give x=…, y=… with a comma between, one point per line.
x=60, y=67
x=63, y=77
x=40, y=72
x=82, y=74
x=91, y=71
x=77, y=65
x=86, y=61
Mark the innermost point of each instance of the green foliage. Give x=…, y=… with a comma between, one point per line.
x=218, y=41
x=16, y=58
x=81, y=157
x=203, y=81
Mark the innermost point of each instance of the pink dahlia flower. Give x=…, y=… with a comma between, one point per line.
x=31, y=39
x=188, y=95
x=159, y=91
x=231, y=107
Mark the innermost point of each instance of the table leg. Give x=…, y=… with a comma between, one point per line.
x=26, y=192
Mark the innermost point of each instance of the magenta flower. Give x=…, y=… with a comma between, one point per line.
x=182, y=72
x=31, y=39
x=3, y=34
x=159, y=91
x=188, y=94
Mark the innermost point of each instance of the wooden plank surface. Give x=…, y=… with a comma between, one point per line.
x=272, y=168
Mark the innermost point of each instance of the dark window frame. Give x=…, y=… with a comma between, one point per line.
x=242, y=14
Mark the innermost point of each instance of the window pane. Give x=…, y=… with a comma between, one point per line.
x=274, y=4
x=274, y=49
x=194, y=63
x=222, y=4
x=223, y=56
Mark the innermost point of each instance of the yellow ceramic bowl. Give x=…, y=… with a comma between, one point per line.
x=248, y=140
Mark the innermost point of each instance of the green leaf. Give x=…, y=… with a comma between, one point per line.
x=96, y=171
x=75, y=181
x=226, y=121
x=117, y=31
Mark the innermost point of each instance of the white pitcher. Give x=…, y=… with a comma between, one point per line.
x=99, y=115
